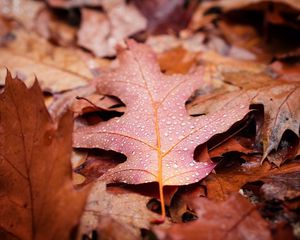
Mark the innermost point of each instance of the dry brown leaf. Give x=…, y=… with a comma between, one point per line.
x=127, y=209
x=38, y=200
x=232, y=145
x=57, y=69
x=223, y=183
x=235, y=218
x=227, y=181
x=279, y=98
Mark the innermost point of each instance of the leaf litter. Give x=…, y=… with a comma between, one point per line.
x=233, y=53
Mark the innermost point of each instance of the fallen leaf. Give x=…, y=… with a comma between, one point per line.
x=101, y=32
x=38, y=200
x=128, y=210
x=155, y=133
x=279, y=99
x=232, y=145
x=232, y=178
x=234, y=218
x=57, y=69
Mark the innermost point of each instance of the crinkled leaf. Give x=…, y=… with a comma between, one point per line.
x=128, y=210
x=280, y=100
x=57, y=69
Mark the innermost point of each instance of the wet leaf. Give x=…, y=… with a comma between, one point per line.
x=155, y=133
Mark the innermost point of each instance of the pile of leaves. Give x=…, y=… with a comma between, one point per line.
x=177, y=120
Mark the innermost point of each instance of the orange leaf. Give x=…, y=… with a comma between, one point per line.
x=38, y=200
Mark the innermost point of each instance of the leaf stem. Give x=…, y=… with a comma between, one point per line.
x=160, y=166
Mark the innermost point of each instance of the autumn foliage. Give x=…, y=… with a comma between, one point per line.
x=176, y=120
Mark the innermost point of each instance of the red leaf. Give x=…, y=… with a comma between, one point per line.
x=155, y=133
